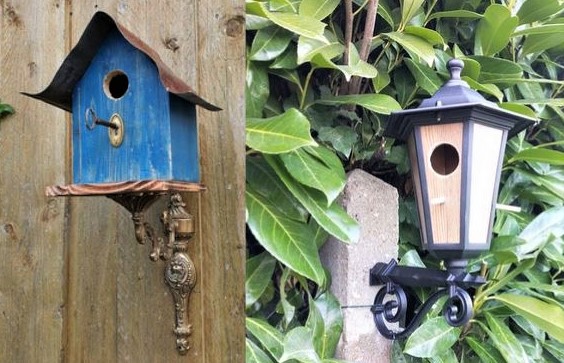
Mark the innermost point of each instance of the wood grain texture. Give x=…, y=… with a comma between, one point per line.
x=32, y=155
x=443, y=190
x=142, y=186
x=221, y=32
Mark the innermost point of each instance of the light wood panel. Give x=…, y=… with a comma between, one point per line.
x=32, y=154
x=443, y=190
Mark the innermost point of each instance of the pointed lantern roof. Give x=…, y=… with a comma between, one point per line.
x=455, y=96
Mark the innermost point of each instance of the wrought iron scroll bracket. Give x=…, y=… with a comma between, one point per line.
x=392, y=303
x=180, y=271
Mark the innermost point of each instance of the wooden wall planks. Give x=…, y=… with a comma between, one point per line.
x=81, y=253
x=31, y=225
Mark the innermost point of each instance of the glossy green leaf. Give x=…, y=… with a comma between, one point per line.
x=555, y=348
x=378, y=103
x=288, y=310
x=298, y=345
x=471, y=68
x=488, y=88
x=287, y=6
x=431, y=36
x=298, y=24
x=264, y=181
x=316, y=325
x=333, y=218
x=529, y=327
x=318, y=170
x=425, y=76
x=318, y=9
x=386, y=14
x=541, y=29
x=549, y=318
x=531, y=346
x=354, y=67
x=308, y=48
x=445, y=357
x=540, y=229
x=268, y=336
x=411, y=258
x=326, y=318
x=279, y=134
x=494, y=30
x=5, y=109
x=257, y=89
x=290, y=75
x=541, y=42
x=289, y=241
x=455, y=14
x=269, y=43
x=535, y=10
x=518, y=108
x=382, y=79
x=418, y=48
x=255, y=22
x=493, y=69
x=341, y=138
x=409, y=8
x=253, y=354
x=542, y=155
x=504, y=340
x=432, y=338
x=288, y=60
x=557, y=102
x=485, y=351
x=259, y=271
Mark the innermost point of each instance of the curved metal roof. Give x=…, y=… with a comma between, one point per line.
x=59, y=91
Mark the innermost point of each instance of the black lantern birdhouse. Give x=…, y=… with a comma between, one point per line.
x=134, y=138
x=456, y=141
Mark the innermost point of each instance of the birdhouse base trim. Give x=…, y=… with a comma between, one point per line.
x=143, y=186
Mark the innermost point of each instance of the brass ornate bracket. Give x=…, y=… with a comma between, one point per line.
x=180, y=271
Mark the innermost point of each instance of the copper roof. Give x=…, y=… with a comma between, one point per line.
x=59, y=92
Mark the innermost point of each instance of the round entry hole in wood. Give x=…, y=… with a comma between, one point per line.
x=444, y=159
x=116, y=84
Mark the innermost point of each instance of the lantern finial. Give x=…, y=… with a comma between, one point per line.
x=455, y=67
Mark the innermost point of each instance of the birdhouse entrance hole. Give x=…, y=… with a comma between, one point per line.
x=444, y=159
x=116, y=84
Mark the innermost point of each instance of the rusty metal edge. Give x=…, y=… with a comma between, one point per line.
x=59, y=91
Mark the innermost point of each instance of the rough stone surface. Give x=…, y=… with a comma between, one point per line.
x=374, y=204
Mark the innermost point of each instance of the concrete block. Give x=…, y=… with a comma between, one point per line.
x=374, y=204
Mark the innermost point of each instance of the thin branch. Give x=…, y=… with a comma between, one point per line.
x=349, y=18
x=366, y=41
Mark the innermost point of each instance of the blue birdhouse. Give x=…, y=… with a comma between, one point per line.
x=133, y=120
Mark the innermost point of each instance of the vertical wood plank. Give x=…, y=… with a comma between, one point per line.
x=220, y=80
x=443, y=190
x=32, y=155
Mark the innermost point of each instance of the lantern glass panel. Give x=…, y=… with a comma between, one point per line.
x=487, y=145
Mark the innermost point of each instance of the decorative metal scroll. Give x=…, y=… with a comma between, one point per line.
x=457, y=309
x=180, y=271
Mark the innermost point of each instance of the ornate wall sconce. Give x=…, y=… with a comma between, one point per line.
x=134, y=139
x=456, y=141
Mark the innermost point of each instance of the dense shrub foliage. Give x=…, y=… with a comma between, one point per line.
x=322, y=76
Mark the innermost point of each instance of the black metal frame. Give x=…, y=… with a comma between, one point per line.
x=457, y=309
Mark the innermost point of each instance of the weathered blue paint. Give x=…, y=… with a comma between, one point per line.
x=184, y=139
x=160, y=139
